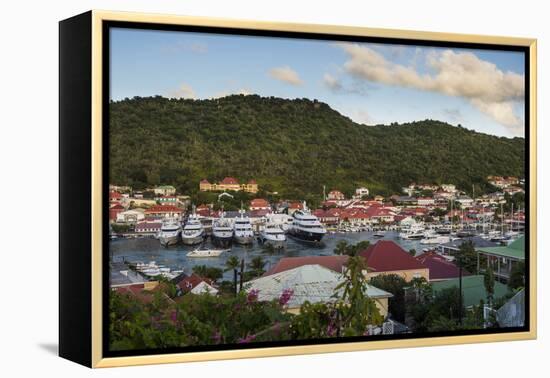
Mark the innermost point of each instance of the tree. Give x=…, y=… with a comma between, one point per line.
x=396, y=285
x=412, y=252
x=517, y=276
x=256, y=265
x=489, y=283
x=208, y=272
x=344, y=248
x=232, y=264
x=466, y=257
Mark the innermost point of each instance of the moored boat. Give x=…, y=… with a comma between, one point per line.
x=202, y=253
x=306, y=226
x=170, y=232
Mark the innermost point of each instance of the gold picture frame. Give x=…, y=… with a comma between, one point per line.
x=94, y=22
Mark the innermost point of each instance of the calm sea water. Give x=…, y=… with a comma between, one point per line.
x=174, y=257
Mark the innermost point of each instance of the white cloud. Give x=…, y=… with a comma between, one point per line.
x=286, y=74
x=460, y=74
x=184, y=91
x=332, y=82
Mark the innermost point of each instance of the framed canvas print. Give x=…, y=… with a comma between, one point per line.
x=235, y=189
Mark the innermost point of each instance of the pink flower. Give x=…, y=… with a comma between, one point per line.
x=252, y=296
x=246, y=339
x=285, y=296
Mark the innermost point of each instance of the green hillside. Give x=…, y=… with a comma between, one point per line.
x=294, y=147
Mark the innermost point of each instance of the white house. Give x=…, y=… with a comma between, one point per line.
x=131, y=216
x=361, y=192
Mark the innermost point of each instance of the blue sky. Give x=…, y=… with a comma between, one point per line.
x=370, y=83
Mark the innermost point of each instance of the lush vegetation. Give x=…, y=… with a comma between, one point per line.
x=294, y=147
x=164, y=320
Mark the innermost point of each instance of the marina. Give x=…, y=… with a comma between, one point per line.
x=177, y=256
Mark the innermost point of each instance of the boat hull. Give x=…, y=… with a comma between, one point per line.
x=313, y=237
x=169, y=240
x=244, y=239
x=274, y=243
x=222, y=240
x=192, y=240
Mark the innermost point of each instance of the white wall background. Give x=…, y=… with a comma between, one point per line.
x=28, y=162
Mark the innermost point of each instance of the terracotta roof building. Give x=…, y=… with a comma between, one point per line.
x=387, y=257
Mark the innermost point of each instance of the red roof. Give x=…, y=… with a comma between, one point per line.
x=259, y=202
x=163, y=209
x=440, y=268
x=319, y=213
x=204, y=181
x=387, y=256
x=251, y=182
x=117, y=206
x=114, y=195
x=230, y=181
x=335, y=263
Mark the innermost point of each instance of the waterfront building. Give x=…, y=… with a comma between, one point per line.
x=148, y=227
x=388, y=257
x=259, y=204
x=163, y=211
x=130, y=216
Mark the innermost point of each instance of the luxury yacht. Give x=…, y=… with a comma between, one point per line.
x=170, y=232
x=273, y=234
x=243, y=233
x=193, y=231
x=222, y=231
x=306, y=226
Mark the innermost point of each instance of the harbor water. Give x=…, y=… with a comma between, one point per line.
x=175, y=257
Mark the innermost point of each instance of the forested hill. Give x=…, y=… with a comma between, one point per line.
x=293, y=147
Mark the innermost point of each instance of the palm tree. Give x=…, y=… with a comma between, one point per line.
x=232, y=263
x=256, y=265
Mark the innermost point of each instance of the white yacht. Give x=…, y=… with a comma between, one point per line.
x=273, y=234
x=306, y=226
x=222, y=231
x=170, y=232
x=243, y=233
x=379, y=234
x=415, y=232
x=193, y=231
x=434, y=238
x=206, y=252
